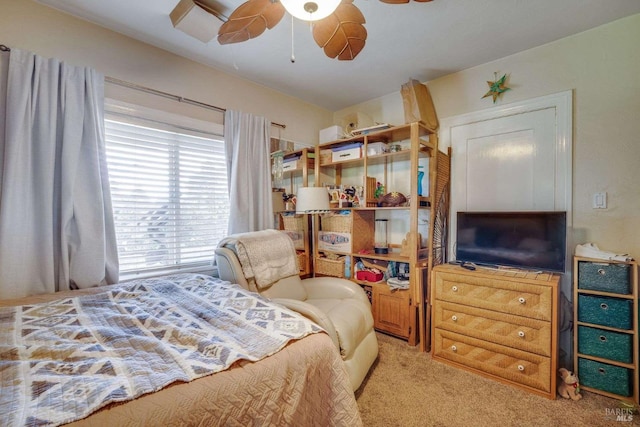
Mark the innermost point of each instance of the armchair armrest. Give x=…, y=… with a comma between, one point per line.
x=312, y=313
x=333, y=287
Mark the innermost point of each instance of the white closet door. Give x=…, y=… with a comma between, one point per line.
x=506, y=163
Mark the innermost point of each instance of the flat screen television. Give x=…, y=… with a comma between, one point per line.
x=530, y=240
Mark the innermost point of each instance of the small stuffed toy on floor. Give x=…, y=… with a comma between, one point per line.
x=568, y=387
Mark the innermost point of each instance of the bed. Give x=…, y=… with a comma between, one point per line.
x=180, y=350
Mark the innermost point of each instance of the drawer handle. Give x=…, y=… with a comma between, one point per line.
x=603, y=338
x=454, y=348
x=604, y=306
x=602, y=272
x=454, y=288
x=454, y=318
x=522, y=300
x=601, y=370
x=521, y=334
x=521, y=368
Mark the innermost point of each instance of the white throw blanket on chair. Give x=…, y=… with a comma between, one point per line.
x=265, y=256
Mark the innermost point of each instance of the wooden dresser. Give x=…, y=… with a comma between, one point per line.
x=498, y=323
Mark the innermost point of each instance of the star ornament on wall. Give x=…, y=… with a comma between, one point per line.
x=497, y=87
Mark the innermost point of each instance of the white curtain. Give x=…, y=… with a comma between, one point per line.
x=56, y=223
x=247, y=140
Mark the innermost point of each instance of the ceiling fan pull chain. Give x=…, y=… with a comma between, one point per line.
x=293, y=55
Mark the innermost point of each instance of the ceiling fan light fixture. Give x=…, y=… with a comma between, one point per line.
x=310, y=10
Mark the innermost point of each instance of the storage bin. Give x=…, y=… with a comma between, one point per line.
x=329, y=134
x=606, y=311
x=614, y=379
x=375, y=148
x=291, y=165
x=604, y=277
x=346, y=152
x=610, y=345
x=339, y=222
x=334, y=242
x=330, y=267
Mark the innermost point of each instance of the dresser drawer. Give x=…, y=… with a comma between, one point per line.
x=522, y=333
x=605, y=311
x=514, y=365
x=497, y=294
x=604, y=277
x=610, y=345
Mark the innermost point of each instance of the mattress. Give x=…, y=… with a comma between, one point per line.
x=304, y=383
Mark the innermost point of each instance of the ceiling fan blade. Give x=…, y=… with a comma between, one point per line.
x=403, y=1
x=250, y=20
x=341, y=34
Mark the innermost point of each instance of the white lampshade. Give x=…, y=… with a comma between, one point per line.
x=312, y=200
x=310, y=10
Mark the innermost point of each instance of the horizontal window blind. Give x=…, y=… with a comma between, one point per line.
x=169, y=194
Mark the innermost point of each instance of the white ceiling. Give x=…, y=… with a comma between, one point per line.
x=414, y=40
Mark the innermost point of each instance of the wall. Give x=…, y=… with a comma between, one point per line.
x=601, y=67
x=28, y=25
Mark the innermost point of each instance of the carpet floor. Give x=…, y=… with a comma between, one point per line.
x=405, y=387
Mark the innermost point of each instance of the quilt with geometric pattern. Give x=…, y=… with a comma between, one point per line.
x=63, y=360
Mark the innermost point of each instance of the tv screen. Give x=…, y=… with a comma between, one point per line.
x=530, y=240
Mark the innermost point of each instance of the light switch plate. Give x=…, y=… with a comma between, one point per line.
x=599, y=200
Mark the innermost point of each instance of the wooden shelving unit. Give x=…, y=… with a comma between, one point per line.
x=300, y=167
x=403, y=313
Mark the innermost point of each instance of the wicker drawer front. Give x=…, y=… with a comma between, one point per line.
x=614, y=379
x=604, y=277
x=514, y=365
x=606, y=344
x=605, y=311
x=521, y=299
x=512, y=331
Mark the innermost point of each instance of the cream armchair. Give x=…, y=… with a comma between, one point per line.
x=339, y=306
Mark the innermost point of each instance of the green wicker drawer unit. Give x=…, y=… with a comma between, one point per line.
x=605, y=339
x=606, y=344
x=602, y=376
x=605, y=311
x=604, y=277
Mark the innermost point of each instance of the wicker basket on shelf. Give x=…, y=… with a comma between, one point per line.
x=329, y=267
x=337, y=223
x=293, y=222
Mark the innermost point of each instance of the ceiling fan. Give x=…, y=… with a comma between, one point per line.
x=338, y=26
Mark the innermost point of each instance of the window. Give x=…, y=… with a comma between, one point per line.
x=169, y=194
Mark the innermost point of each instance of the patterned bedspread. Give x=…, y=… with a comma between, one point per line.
x=62, y=360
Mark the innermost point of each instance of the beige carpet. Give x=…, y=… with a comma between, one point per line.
x=406, y=388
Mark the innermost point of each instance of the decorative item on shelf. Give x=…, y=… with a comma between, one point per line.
x=379, y=191
x=289, y=201
x=405, y=249
x=418, y=105
x=420, y=176
x=497, y=87
x=392, y=199
x=394, y=148
x=381, y=246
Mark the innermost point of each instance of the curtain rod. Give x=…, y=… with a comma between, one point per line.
x=134, y=86
x=174, y=97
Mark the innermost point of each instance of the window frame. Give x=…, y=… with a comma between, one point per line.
x=142, y=116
